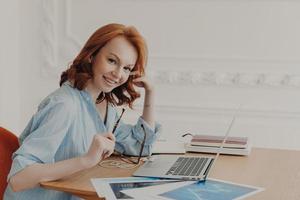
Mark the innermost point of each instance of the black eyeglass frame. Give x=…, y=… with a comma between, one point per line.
x=126, y=158
x=118, y=121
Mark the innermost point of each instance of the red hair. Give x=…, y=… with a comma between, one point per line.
x=81, y=71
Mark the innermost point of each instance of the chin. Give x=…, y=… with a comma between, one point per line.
x=104, y=88
x=107, y=90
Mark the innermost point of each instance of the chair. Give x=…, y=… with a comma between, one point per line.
x=8, y=145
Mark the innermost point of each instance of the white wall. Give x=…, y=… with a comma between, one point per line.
x=35, y=83
x=206, y=58
x=9, y=65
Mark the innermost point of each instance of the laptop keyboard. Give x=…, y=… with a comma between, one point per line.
x=188, y=166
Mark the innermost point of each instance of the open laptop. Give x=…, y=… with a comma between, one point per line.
x=181, y=167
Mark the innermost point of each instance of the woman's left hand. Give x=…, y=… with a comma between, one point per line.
x=144, y=83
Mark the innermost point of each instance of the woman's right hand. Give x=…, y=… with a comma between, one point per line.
x=101, y=147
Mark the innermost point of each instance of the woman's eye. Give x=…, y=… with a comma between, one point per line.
x=127, y=69
x=111, y=61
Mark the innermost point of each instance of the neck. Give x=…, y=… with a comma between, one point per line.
x=94, y=92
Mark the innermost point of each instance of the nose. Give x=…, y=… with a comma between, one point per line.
x=117, y=73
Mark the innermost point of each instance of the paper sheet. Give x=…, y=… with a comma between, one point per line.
x=211, y=189
x=110, y=188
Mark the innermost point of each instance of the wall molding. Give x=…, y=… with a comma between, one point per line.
x=192, y=111
x=236, y=79
x=68, y=33
x=239, y=59
x=49, y=39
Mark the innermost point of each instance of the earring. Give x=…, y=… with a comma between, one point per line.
x=90, y=59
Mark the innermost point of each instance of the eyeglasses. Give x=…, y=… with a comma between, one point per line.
x=136, y=160
x=127, y=162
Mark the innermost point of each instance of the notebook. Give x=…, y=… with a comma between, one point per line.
x=181, y=167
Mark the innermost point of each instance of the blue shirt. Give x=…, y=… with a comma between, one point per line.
x=63, y=128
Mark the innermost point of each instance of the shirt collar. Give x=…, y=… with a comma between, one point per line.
x=85, y=94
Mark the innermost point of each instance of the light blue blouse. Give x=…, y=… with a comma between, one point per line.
x=63, y=128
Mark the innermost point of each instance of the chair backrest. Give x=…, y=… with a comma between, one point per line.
x=8, y=145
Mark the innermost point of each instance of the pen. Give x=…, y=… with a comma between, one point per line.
x=117, y=122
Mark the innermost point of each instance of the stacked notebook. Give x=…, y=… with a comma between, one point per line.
x=212, y=144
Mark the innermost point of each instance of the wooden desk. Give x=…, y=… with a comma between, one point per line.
x=278, y=171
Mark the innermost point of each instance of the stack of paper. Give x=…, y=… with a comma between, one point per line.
x=212, y=144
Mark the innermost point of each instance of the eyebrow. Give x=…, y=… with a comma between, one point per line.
x=120, y=60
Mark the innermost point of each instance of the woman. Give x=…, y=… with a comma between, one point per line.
x=72, y=129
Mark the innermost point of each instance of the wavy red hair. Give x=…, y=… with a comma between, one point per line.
x=80, y=71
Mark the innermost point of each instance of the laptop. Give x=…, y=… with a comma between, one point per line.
x=180, y=166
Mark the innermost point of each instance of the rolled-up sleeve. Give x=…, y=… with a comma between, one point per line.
x=44, y=135
x=130, y=137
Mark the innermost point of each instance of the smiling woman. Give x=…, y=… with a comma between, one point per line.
x=112, y=65
x=73, y=128
x=111, y=48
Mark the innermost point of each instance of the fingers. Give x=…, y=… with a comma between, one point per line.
x=107, y=154
x=110, y=145
x=102, y=146
x=140, y=79
x=110, y=136
x=143, y=82
x=138, y=82
x=135, y=73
